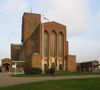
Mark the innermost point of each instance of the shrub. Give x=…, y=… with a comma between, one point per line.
x=50, y=71
x=0, y=69
x=32, y=71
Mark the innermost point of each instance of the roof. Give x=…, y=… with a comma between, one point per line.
x=16, y=44
x=29, y=14
x=89, y=61
x=54, y=22
x=6, y=59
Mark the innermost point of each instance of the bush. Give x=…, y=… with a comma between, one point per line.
x=50, y=71
x=46, y=71
x=0, y=69
x=32, y=71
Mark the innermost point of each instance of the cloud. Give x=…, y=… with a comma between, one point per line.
x=98, y=16
x=73, y=13
x=86, y=49
x=10, y=25
x=11, y=6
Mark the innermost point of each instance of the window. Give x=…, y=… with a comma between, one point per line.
x=46, y=44
x=61, y=45
x=53, y=44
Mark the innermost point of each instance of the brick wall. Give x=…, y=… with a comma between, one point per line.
x=15, y=48
x=36, y=61
x=71, y=63
x=30, y=22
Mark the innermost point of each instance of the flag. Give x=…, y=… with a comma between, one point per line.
x=46, y=18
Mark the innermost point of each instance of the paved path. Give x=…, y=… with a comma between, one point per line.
x=6, y=80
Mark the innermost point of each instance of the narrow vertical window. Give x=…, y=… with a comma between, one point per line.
x=61, y=45
x=53, y=44
x=46, y=44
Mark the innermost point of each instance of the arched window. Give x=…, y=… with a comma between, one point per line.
x=46, y=44
x=53, y=44
x=61, y=45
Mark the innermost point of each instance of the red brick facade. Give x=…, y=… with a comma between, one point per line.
x=32, y=47
x=71, y=63
x=6, y=65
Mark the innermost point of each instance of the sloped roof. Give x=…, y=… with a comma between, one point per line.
x=55, y=23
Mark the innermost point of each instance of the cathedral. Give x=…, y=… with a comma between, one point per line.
x=43, y=45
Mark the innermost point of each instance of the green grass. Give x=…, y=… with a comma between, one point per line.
x=78, y=84
x=58, y=74
x=76, y=73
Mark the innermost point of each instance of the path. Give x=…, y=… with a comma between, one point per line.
x=6, y=80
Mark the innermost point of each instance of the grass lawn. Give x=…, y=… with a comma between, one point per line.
x=76, y=73
x=58, y=74
x=78, y=84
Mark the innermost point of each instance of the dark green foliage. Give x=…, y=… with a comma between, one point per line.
x=33, y=71
x=0, y=69
x=50, y=71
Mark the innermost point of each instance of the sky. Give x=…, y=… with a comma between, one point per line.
x=81, y=17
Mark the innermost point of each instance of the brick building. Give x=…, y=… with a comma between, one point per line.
x=90, y=66
x=44, y=45
x=71, y=63
x=6, y=65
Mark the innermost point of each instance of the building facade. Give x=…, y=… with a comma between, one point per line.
x=44, y=45
x=6, y=65
x=90, y=66
x=71, y=65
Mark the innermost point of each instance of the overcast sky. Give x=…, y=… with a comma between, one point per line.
x=82, y=18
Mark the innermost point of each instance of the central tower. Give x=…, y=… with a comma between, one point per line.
x=30, y=22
